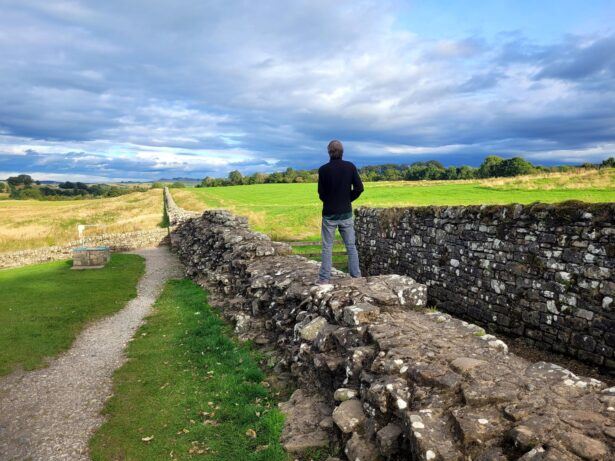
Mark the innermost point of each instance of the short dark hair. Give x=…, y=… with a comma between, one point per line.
x=335, y=149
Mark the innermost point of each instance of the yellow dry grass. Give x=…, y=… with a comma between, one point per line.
x=31, y=224
x=577, y=179
x=187, y=200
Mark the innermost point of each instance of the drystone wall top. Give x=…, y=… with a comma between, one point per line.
x=413, y=384
x=175, y=213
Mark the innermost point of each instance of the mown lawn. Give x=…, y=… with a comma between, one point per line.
x=292, y=211
x=43, y=307
x=188, y=391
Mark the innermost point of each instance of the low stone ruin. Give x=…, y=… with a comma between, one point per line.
x=90, y=257
x=380, y=376
x=123, y=241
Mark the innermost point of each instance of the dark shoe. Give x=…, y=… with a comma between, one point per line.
x=322, y=282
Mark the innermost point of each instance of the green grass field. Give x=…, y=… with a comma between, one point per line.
x=292, y=211
x=188, y=391
x=340, y=261
x=43, y=307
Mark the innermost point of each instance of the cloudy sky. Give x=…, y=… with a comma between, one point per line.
x=145, y=89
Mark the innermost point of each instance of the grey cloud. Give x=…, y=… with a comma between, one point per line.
x=479, y=82
x=278, y=80
x=81, y=163
x=578, y=61
x=575, y=58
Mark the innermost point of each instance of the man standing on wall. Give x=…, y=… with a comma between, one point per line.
x=339, y=184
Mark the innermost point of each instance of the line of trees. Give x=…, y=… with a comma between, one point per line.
x=492, y=167
x=24, y=187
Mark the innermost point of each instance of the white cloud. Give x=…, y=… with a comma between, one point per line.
x=220, y=85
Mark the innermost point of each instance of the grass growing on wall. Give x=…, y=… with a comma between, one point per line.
x=43, y=307
x=188, y=391
x=292, y=211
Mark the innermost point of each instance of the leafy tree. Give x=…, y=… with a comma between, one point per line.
x=608, y=163
x=21, y=180
x=391, y=174
x=467, y=172
x=289, y=175
x=489, y=167
x=208, y=181
x=259, y=178
x=157, y=185
x=515, y=166
x=66, y=185
x=451, y=172
x=235, y=177
x=275, y=177
x=27, y=193
x=178, y=185
x=2, y=186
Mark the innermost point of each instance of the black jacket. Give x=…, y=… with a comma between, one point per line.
x=339, y=184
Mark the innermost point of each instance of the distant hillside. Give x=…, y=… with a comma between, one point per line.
x=179, y=180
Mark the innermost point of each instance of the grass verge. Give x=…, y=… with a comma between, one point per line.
x=43, y=307
x=188, y=391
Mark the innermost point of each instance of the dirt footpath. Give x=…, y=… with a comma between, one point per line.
x=50, y=414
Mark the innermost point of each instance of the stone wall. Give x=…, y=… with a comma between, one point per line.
x=381, y=376
x=175, y=214
x=117, y=242
x=543, y=272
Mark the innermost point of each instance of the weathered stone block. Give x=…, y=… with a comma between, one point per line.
x=349, y=416
x=360, y=449
x=310, y=331
x=359, y=314
x=388, y=439
x=301, y=431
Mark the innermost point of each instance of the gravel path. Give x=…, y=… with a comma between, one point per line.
x=50, y=414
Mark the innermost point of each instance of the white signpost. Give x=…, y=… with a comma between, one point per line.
x=81, y=230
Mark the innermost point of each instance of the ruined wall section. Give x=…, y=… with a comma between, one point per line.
x=405, y=382
x=176, y=214
x=543, y=272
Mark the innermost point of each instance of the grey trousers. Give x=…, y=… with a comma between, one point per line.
x=346, y=228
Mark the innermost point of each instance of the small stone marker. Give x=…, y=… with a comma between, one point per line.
x=91, y=257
